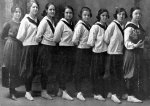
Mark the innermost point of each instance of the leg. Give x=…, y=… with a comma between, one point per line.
x=28, y=86
x=44, y=80
x=12, y=93
x=131, y=86
x=115, y=77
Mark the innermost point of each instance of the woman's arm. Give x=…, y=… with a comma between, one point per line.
x=92, y=35
x=127, y=42
x=22, y=30
x=109, y=32
x=58, y=32
x=5, y=31
x=41, y=30
x=77, y=34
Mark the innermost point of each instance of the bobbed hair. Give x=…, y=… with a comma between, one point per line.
x=84, y=9
x=118, y=10
x=102, y=10
x=68, y=7
x=44, y=13
x=13, y=9
x=30, y=4
x=133, y=9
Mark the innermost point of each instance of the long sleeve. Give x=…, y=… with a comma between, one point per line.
x=77, y=34
x=128, y=44
x=22, y=32
x=108, y=33
x=58, y=32
x=41, y=29
x=5, y=30
x=92, y=35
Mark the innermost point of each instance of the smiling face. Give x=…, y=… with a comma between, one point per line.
x=136, y=15
x=104, y=17
x=85, y=16
x=34, y=9
x=68, y=14
x=17, y=13
x=51, y=11
x=121, y=16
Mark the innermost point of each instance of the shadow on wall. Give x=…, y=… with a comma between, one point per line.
x=94, y=5
x=2, y=21
x=145, y=5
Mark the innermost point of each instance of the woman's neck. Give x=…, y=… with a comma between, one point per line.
x=135, y=22
x=121, y=22
x=103, y=23
x=68, y=20
x=51, y=18
x=86, y=22
x=16, y=20
x=32, y=16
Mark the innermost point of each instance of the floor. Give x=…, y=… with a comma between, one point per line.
x=57, y=101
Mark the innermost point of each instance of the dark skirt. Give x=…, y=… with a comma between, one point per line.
x=98, y=63
x=66, y=63
x=83, y=63
x=11, y=60
x=55, y=60
x=97, y=71
x=116, y=66
x=28, y=65
x=45, y=59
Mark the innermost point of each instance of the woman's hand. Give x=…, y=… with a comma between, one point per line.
x=139, y=44
x=39, y=39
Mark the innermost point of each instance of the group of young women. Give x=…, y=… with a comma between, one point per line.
x=109, y=56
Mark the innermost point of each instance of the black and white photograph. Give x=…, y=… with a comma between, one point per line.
x=74, y=53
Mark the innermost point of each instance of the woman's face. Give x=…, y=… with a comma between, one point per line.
x=121, y=16
x=85, y=16
x=34, y=9
x=51, y=11
x=136, y=15
x=17, y=13
x=104, y=17
x=68, y=14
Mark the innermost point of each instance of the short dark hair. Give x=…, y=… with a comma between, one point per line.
x=133, y=9
x=84, y=9
x=13, y=9
x=118, y=10
x=102, y=10
x=68, y=7
x=30, y=4
x=44, y=13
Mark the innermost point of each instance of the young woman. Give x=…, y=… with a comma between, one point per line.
x=134, y=43
x=45, y=35
x=63, y=34
x=26, y=34
x=12, y=52
x=83, y=52
x=114, y=39
x=96, y=40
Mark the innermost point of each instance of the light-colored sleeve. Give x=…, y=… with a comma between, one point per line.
x=109, y=32
x=41, y=29
x=22, y=32
x=58, y=31
x=77, y=33
x=128, y=44
x=92, y=35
